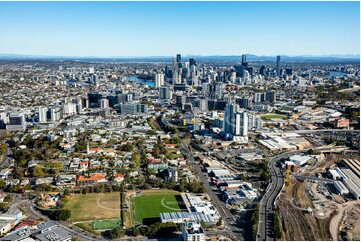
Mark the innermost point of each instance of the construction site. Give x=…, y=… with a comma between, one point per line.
x=316, y=205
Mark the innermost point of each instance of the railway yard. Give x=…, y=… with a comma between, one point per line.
x=313, y=209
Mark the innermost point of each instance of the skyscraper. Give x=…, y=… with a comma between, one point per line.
x=278, y=65
x=179, y=57
x=235, y=122
x=42, y=114
x=164, y=93
x=159, y=80
x=244, y=60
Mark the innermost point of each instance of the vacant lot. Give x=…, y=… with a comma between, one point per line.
x=150, y=204
x=94, y=206
x=272, y=115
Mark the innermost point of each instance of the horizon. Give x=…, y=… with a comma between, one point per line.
x=131, y=29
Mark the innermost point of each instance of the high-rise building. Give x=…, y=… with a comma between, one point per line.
x=235, y=121
x=16, y=122
x=42, y=114
x=56, y=113
x=179, y=58
x=244, y=103
x=278, y=65
x=271, y=96
x=192, y=231
x=104, y=103
x=159, y=80
x=244, y=61
x=164, y=93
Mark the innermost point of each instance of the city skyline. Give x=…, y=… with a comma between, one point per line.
x=139, y=29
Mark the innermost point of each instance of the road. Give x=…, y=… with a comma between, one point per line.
x=228, y=218
x=265, y=224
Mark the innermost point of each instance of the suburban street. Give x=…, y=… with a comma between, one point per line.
x=228, y=218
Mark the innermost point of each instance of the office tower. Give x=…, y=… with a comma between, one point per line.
x=132, y=108
x=56, y=113
x=218, y=90
x=16, y=122
x=192, y=231
x=78, y=104
x=180, y=100
x=159, y=80
x=244, y=61
x=229, y=117
x=263, y=70
x=289, y=71
x=235, y=122
x=104, y=103
x=244, y=103
x=233, y=77
x=69, y=109
x=91, y=70
x=254, y=121
x=94, y=78
x=192, y=62
x=164, y=93
x=278, y=65
x=241, y=124
x=259, y=97
x=202, y=104
x=179, y=58
x=60, y=68
x=271, y=96
x=94, y=98
x=42, y=114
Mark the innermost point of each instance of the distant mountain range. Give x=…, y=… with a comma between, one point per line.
x=250, y=57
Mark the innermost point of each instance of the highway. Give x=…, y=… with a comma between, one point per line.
x=265, y=223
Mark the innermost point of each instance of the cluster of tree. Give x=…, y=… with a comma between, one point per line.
x=331, y=92
x=157, y=229
x=254, y=221
x=2, y=149
x=265, y=175
x=194, y=186
x=4, y=207
x=352, y=114
x=114, y=233
x=128, y=147
x=277, y=223
x=312, y=152
x=59, y=215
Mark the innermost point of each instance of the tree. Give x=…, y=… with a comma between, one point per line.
x=135, y=158
x=66, y=192
x=114, y=233
x=38, y=171
x=2, y=148
x=2, y=184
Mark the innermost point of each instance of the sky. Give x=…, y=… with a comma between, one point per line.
x=108, y=29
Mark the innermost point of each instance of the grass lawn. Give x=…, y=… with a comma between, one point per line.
x=273, y=115
x=150, y=204
x=94, y=206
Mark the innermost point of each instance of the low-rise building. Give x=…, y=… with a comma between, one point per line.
x=192, y=231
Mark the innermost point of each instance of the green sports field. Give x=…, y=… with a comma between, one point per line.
x=273, y=115
x=106, y=224
x=149, y=205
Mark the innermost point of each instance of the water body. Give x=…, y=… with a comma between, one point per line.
x=335, y=74
x=140, y=81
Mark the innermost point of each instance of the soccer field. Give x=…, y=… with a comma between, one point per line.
x=149, y=206
x=94, y=206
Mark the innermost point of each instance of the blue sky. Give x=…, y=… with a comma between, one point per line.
x=167, y=28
